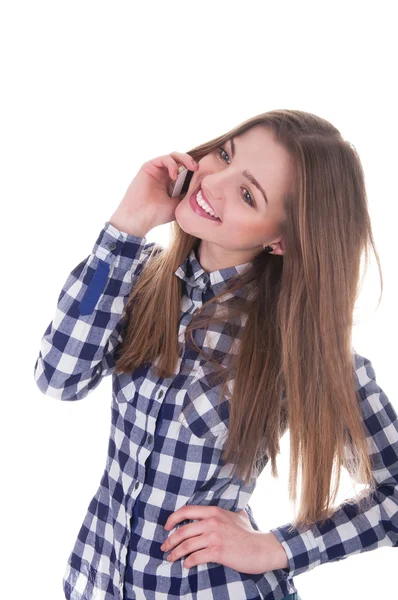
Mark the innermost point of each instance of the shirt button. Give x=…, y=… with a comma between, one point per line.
x=160, y=394
x=112, y=245
x=137, y=483
x=150, y=439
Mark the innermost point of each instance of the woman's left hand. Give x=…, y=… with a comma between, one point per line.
x=224, y=537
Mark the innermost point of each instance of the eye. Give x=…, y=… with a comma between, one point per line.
x=251, y=202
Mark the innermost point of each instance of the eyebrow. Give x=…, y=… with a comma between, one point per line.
x=247, y=173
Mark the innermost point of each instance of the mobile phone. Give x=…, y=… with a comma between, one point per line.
x=181, y=184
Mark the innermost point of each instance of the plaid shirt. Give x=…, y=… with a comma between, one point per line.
x=159, y=460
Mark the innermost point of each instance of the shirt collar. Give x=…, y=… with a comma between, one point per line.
x=194, y=275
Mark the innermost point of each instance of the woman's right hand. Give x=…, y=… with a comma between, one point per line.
x=146, y=202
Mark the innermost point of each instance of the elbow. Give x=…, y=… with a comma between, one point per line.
x=388, y=497
x=55, y=384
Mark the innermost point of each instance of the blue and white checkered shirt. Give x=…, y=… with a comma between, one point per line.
x=159, y=460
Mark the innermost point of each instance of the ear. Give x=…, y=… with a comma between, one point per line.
x=277, y=247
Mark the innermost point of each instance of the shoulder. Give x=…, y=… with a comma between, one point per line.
x=364, y=371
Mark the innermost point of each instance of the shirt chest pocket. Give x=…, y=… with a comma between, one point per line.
x=202, y=417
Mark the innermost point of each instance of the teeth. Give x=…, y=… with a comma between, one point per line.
x=203, y=204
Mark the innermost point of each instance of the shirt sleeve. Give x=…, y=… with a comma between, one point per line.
x=77, y=349
x=373, y=523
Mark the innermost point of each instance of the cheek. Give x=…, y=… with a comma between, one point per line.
x=244, y=222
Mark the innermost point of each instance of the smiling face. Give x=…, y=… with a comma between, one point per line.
x=250, y=217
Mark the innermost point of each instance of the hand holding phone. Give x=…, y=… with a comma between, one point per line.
x=150, y=199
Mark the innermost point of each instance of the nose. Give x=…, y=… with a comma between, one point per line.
x=217, y=183
x=213, y=186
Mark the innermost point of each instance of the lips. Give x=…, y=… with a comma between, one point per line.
x=199, y=210
x=206, y=199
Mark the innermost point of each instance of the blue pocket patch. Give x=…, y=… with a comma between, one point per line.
x=95, y=288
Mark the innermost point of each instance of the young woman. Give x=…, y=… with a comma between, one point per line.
x=238, y=331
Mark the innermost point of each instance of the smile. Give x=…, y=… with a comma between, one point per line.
x=202, y=207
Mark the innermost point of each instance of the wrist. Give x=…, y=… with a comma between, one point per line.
x=274, y=551
x=136, y=228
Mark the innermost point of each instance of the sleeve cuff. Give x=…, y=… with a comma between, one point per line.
x=301, y=549
x=112, y=243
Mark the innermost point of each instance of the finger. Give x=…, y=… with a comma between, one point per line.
x=185, y=159
x=172, y=166
x=183, y=533
x=193, y=511
x=198, y=558
x=161, y=162
x=193, y=544
x=170, y=162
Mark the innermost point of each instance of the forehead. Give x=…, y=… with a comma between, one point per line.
x=259, y=141
x=271, y=163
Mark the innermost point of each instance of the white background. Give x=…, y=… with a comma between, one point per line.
x=90, y=91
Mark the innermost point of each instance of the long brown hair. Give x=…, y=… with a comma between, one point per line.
x=294, y=369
